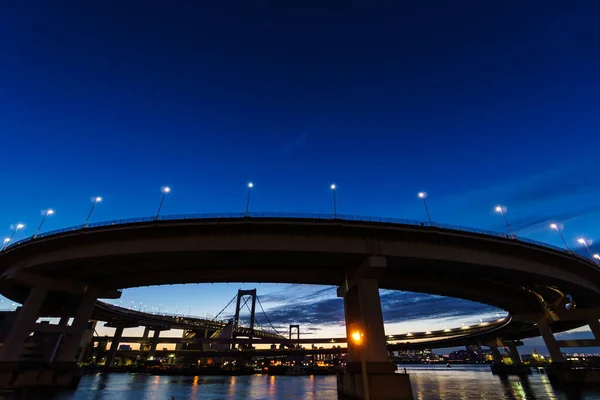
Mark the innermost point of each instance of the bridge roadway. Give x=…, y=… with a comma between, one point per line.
x=503, y=272
x=484, y=332
x=120, y=316
x=490, y=268
x=64, y=273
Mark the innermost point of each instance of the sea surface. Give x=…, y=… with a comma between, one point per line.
x=428, y=382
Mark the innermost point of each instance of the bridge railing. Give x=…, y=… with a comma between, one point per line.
x=283, y=215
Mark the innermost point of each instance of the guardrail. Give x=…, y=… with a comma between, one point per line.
x=299, y=216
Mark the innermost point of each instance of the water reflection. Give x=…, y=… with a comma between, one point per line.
x=429, y=382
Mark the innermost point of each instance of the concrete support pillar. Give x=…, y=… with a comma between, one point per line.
x=550, y=341
x=146, y=332
x=498, y=358
x=110, y=359
x=513, y=351
x=594, y=325
x=64, y=320
x=72, y=344
x=363, y=312
x=154, y=344
x=370, y=372
x=23, y=325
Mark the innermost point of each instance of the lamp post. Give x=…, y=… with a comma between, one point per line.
x=17, y=227
x=95, y=201
x=502, y=210
x=164, y=190
x=5, y=242
x=557, y=229
x=250, y=186
x=333, y=188
x=48, y=212
x=423, y=195
x=584, y=242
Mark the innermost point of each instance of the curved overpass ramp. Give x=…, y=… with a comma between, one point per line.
x=515, y=275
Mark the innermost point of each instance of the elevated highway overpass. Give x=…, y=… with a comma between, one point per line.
x=62, y=272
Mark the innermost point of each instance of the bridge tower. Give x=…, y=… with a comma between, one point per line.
x=294, y=330
x=241, y=294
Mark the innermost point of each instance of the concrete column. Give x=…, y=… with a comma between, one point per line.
x=72, y=342
x=513, y=351
x=64, y=320
x=23, y=325
x=594, y=325
x=498, y=359
x=154, y=344
x=146, y=332
x=363, y=311
x=550, y=341
x=110, y=359
x=370, y=372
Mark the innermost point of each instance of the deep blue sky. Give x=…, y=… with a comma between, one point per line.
x=475, y=102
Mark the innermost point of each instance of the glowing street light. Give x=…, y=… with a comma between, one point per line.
x=250, y=186
x=164, y=190
x=584, y=242
x=423, y=195
x=597, y=256
x=557, y=229
x=95, y=201
x=333, y=188
x=5, y=242
x=502, y=210
x=358, y=339
x=48, y=212
x=17, y=227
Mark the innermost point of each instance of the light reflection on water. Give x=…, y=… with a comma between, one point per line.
x=429, y=382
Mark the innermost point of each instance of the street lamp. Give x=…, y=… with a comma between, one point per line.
x=423, y=195
x=250, y=186
x=333, y=188
x=557, y=229
x=584, y=242
x=502, y=210
x=17, y=227
x=164, y=190
x=5, y=242
x=48, y=212
x=95, y=201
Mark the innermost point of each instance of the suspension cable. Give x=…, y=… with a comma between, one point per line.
x=265, y=314
x=231, y=301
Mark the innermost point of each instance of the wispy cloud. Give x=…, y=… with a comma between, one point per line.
x=397, y=306
x=543, y=221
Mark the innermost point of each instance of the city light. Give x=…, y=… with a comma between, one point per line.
x=582, y=241
x=165, y=189
x=250, y=185
x=422, y=195
x=333, y=187
x=597, y=256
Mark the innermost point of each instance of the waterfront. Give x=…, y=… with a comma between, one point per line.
x=428, y=381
